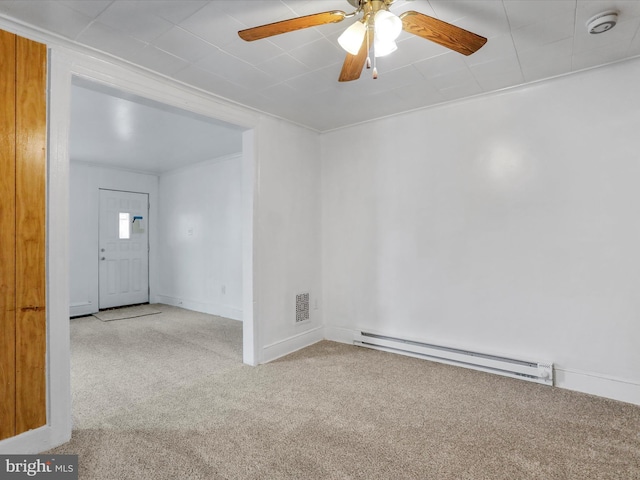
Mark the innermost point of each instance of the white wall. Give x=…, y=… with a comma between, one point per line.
x=507, y=223
x=84, y=184
x=288, y=240
x=200, y=232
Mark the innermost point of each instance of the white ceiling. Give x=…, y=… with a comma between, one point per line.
x=294, y=75
x=109, y=127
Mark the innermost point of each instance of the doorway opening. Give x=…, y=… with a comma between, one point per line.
x=163, y=193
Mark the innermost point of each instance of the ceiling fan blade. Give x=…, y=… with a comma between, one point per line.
x=447, y=35
x=353, y=64
x=298, y=23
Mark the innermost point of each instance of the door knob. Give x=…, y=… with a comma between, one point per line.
x=102, y=249
x=102, y=258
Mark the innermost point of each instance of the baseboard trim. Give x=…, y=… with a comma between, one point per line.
x=34, y=441
x=203, y=307
x=291, y=344
x=598, y=384
x=569, y=379
x=81, y=309
x=339, y=334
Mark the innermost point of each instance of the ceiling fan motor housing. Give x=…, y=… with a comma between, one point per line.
x=602, y=22
x=359, y=3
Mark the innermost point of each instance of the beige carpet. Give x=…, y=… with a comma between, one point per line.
x=126, y=312
x=166, y=397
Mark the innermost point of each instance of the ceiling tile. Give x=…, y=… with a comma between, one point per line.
x=411, y=50
x=317, y=54
x=441, y=65
x=495, y=48
x=419, y=93
x=421, y=6
x=51, y=16
x=635, y=46
x=486, y=18
x=213, y=26
x=210, y=82
x=386, y=81
x=399, y=77
x=318, y=81
x=543, y=33
x=158, y=60
x=498, y=74
x=461, y=91
x=252, y=13
x=183, y=44
x=550, y=67
x=296, y=38
x=543, y=53
x=110, y=40
x=599, y=56
x=235, y=70
x=309, y=7
x=495, y=67
x=133, y=18
x=92, y=9
x=284, y=66
x=452, y=10
x=252, y=52
x=525, y=12
x=459, y=78
x=172, y=11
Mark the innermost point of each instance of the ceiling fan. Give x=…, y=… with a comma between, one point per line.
x=376, y=30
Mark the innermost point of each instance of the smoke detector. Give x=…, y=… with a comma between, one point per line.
x=602, y=22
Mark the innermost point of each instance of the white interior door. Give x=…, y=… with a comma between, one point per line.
x=123, y=248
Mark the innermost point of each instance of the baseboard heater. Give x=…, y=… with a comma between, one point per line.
x=538, y=372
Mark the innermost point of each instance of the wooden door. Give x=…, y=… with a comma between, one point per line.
x=22, y=235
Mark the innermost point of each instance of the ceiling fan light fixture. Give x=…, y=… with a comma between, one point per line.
x=387, y=25
x=351, y=39
x=383, y=48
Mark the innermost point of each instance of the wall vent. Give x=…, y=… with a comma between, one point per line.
x=302, y=307
x=532, y=371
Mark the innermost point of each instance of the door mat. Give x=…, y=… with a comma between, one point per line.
x=126, y=312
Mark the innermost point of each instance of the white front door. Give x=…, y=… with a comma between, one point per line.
x=123, y=250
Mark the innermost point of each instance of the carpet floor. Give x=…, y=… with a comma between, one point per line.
x=167, y=397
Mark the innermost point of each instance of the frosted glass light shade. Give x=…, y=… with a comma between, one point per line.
x=383, y=48
x=388, y=26
x=351, y=39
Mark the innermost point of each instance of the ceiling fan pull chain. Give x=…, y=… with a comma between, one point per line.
x=375, y=70
x=368, y=46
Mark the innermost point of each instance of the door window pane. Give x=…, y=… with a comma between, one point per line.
x=125, y=226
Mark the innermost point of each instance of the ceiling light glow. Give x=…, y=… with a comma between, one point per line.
x=351, y=39
x=387, y=26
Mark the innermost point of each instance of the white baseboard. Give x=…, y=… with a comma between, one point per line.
x=81, y=309
x=339, y=334
x=598, y=384
x=205, y=307
x=34, y=441
x=291, y=344
x=570, y=379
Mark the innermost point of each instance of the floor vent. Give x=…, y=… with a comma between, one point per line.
x=539, y=372
x=302, y=307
